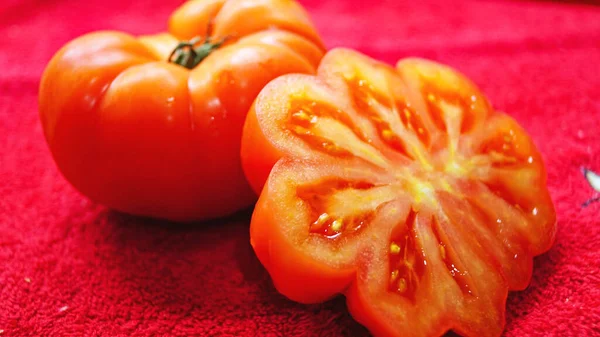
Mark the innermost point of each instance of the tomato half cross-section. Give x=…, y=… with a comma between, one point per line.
x=151, y=125
x=401, y=188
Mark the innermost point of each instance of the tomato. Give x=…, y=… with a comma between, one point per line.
x=151, y=125
x=401, y=188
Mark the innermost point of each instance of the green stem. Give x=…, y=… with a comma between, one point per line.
x=187, y=55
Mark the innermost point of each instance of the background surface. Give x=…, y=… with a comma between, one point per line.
x=69, y=267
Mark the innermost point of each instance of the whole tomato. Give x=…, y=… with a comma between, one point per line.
x=151, y=125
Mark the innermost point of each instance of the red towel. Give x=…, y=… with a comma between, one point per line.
x=69, y=267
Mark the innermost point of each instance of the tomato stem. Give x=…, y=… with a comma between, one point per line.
x=186, y=54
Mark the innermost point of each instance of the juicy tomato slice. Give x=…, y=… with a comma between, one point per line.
x=401, y=188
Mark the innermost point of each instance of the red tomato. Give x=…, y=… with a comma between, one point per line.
x=149, y=127
x=401, y=188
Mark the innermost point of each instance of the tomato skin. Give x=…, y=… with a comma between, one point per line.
x=257, y=167
x=378, y=327
x=421, y=238
x=230, y=18
x=147, y=137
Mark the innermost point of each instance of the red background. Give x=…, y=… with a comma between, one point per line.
x=69, y=267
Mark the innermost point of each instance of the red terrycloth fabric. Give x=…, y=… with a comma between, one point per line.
x=69, y=267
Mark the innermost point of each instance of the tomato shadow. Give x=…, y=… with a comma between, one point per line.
x=200, y=274
x=125, y=219
x=182, y=271
x=145, y=234
x=329, y=318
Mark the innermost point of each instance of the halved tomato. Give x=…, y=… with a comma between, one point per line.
x=401, y=188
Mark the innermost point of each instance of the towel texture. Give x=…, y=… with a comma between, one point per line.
x=69, y=267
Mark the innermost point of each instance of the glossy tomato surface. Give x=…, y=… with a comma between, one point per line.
x=134, y=130
x=401, y=188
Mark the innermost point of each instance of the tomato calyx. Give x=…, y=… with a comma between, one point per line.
x=187, y=55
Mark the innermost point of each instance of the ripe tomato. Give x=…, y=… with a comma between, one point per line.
x=401, y=188
x=152, y=127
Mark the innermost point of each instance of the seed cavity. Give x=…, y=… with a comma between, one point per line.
x=504, y=150
x=402, y=285
x=453, y=265
x=413, y=122
x=435, y=111
x=468, y=104
x=324, y=223
x=394, y=248
x=374, y=105
x=336, y=225
x=406, y=264
x=304, y=117
x=320, y=222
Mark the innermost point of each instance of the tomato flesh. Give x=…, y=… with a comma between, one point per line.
x=401, y=188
